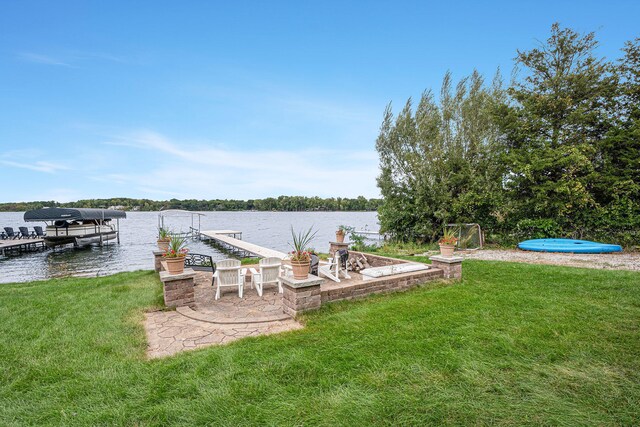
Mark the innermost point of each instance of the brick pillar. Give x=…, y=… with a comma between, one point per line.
x=178, y=288
x=452, y=267
x=301, y=295
x=157, y=260
x=335, y=246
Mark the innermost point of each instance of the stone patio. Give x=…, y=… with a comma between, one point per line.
x=231, y=309
x=213, y=322
x=205, y=321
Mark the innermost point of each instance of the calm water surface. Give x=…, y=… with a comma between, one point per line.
x=138, y=236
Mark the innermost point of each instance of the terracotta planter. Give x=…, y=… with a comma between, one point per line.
x=163, y=245
x=447, y=250
x=175, y=265
x=300, y=269
x=340, y=236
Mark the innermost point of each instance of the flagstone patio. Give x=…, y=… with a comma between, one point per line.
x=212, y=322
x=206, y=321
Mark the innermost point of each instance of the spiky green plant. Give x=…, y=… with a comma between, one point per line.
x=448, y=237
x=177, y=247
x=345, y=229
x=301, y=241
x=163, y=233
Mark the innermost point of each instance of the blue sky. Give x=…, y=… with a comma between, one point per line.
x=204, y=99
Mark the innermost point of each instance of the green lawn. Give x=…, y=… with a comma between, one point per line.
x=513, y=344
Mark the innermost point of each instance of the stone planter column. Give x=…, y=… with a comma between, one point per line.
x=301, y=295
x=451, y=266
x=157, y=260
x=336, y=246
x=178, y=288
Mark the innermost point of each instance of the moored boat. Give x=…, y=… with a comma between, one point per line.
x=77, y=226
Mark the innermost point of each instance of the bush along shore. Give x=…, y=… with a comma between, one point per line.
x=553, y=154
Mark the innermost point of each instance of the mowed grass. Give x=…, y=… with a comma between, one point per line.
x=513, y=344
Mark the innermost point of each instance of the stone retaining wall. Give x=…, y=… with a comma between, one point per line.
x=309, y=294
x=301, y=295
x=335, y=246
x=178, y=288
x=157, y=260
x=382, y=285
x=451, y=266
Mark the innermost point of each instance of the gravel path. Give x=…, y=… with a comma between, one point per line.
x=619, y=261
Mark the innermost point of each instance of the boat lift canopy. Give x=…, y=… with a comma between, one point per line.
x=73, y=214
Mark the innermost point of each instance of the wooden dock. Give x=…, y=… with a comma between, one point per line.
x=231, y=233
x=224, y=238
x=21, y=245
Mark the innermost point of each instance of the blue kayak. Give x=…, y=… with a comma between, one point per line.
x=568, y=245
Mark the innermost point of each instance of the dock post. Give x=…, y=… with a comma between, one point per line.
x=99, y=228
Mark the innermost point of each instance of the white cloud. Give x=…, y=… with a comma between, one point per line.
x=99, y=56
x=38, y=166
x=43, y=59
x=70, y=59
x=207, y=171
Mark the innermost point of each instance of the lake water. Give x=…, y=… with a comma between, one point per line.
x=138, y=238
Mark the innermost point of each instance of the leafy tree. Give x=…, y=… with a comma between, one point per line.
x=439, y=164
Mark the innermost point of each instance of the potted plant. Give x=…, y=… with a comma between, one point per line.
x=447, y=243
x=163, y=239
x=175, y=255
x=342, y=231
x=301, y=255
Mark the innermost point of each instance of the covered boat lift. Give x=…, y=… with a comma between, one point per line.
x=92, y=222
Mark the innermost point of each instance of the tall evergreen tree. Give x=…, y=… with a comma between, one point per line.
x=621, y=160
x=551, y=132
x=619, y=167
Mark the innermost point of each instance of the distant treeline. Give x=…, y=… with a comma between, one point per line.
x=282, y=203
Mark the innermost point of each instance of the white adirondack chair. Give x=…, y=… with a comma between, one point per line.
x=332, y=269
x=229, y=274
x=269, y=273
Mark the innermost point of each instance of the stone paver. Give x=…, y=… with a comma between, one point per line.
x=169, y=332
x=230, y=308
x=216, y=322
